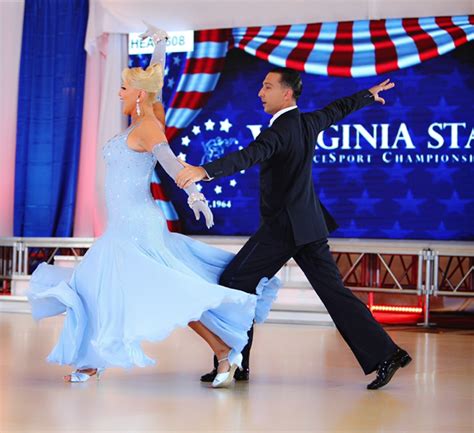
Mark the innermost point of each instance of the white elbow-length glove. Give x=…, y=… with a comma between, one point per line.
x=160, y=37
x=196, y=200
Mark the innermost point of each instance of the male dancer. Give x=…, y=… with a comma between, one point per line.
x=294, y=222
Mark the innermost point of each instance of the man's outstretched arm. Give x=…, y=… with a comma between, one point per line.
x=263, y=148
x=340, y=108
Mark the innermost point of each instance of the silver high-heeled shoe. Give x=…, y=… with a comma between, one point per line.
x=79, y=376
x=224, y=380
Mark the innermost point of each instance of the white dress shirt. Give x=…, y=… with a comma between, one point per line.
x=279, y=113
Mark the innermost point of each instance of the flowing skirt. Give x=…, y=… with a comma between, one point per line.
x=124, y=292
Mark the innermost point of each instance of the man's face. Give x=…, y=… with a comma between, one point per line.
x=274, y=96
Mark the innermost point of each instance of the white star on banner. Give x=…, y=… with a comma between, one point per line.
x=185, y=141
x=196, y=130
x=218, y=189
x=233, y=182
x=170, y=82
x=199, y=187
x=241, y=147
x=210, y=125
x=167, y=70
x=242, y=171
x=176, y=60
x=182, y=156
x=225, y=125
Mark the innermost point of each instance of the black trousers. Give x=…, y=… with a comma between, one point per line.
x=270, y=248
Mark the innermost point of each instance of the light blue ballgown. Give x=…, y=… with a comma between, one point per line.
x=139, y=281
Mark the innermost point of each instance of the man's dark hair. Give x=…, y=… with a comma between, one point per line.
x=290, y=78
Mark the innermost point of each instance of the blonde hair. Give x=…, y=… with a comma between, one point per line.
x=150, y=80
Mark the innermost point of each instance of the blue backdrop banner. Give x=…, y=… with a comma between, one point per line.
x=399, y=171
x=52, y=73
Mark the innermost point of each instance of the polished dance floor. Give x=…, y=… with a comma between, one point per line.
x=304, y=379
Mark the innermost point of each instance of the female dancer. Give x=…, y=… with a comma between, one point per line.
x=138, y=281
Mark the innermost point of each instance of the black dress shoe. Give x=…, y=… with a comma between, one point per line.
x=387, y=368
x=242, y=375
x=209, y=377
x=239, y=375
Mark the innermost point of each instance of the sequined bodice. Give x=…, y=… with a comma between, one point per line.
x=127, y=185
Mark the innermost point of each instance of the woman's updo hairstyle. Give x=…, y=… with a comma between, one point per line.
x=150, y=79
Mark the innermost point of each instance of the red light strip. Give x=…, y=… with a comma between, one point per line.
x=396, y=309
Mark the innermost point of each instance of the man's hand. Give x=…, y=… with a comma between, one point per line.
x=385, y=85
x=189, y=174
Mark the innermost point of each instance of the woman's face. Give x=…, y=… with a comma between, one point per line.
x=128, y=95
